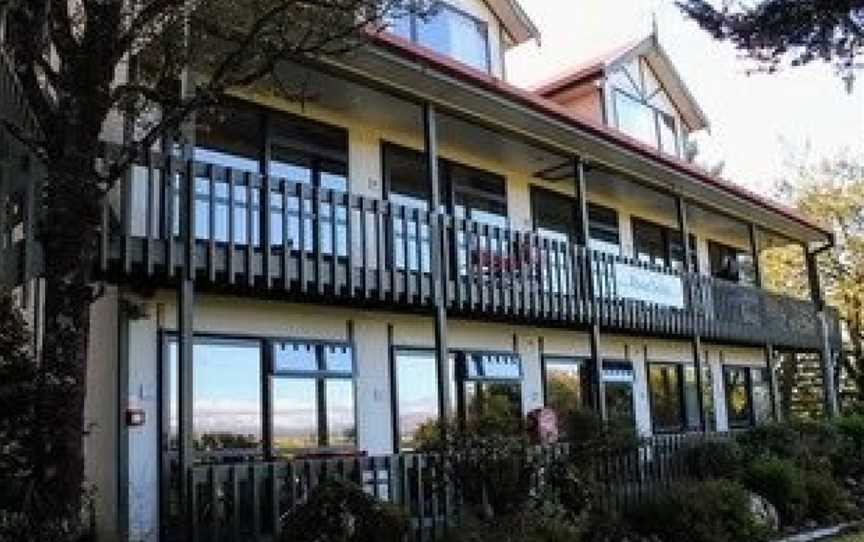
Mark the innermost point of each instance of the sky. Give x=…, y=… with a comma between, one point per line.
x=759, y=123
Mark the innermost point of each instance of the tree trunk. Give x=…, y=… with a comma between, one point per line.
x=69, y=234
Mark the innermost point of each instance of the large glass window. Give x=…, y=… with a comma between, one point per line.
x=642, y=108
x=635, y=118
x=449, y=31
x=229, y=146
x=732, y=264
x=739, y=400
x=416, y=396
x=484, y=388
x=761, y=387
x=554, y=214
x=491, y=391
x=661, y=246
x=469, y=192
x=665, y=386
x=603, y=232
x=748, y=395
x=618, y=383
x=226, y=410
x=567, y=386
x=313, y=396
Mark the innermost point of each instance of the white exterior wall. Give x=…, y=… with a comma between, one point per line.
x=143, y=452
x=238, y=316
x=101, y=413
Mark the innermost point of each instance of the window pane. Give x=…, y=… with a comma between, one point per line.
x=480, y=195
x=340, y=412
x=603, y=232
x=227, y=396
x=295, y=414
x=677, y=250
x=691, y=398
x=289, y=356
x=761, y=395
x=455, y=34
x=668, y=136
x=618, y=379
x=665, y=386
x=417, y=395
x=635, y=119
x=732, y=264
x=567, y=388
x=494, y=405
x=738, y=404
x=399, y=24
x=228, y=137
x=554, y=214
x=649, y=243
x=338, y=358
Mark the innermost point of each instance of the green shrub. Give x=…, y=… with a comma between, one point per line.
x=17, y=527
x=848, y=459
x=775, y=439
x=818, y=443
x=782, y=483
x=591, y=436
x=713, y=459
x=340, y=511
x=608, y=526
x=712, y=511
x=827, y=502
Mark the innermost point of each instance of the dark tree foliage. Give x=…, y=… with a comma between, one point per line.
x=138, y=69
x=773, y=31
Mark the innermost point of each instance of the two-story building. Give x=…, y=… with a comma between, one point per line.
x=418, y=238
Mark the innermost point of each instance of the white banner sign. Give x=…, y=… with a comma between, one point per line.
x=649, y=286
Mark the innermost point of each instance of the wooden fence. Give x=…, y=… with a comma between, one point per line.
x=247, y=501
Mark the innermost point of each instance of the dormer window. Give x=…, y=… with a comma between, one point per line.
x=449, y=31
x=643, y=109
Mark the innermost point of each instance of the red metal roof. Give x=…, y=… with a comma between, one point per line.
x=532, y=100
x=583, y=71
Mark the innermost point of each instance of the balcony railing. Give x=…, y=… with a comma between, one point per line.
x=268, y=236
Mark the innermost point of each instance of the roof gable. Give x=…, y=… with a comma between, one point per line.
x=515, y=21
x=606, y=64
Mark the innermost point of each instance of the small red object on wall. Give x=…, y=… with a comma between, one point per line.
x=543, y=426
x=135, y=417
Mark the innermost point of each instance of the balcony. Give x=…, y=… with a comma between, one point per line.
x=350, y=249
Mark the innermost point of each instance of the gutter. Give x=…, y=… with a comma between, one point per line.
x=552, y=111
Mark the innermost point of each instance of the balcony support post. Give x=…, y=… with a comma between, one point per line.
x=828, y=384
x=185, y=324
x=754, y=251
x=5, y=240
x=598, y=396
x=771, y=363
x=696, y=338
x=442, y=357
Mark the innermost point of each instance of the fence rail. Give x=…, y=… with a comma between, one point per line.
x=246, y=501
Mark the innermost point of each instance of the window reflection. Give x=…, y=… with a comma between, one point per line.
x=618, y=382
x=227, y=412
x=416, y=395
x=567, y=387
x=449, y=31
x=295, y=415
x=313, y=396
x=738, y=400
x=664, y=383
